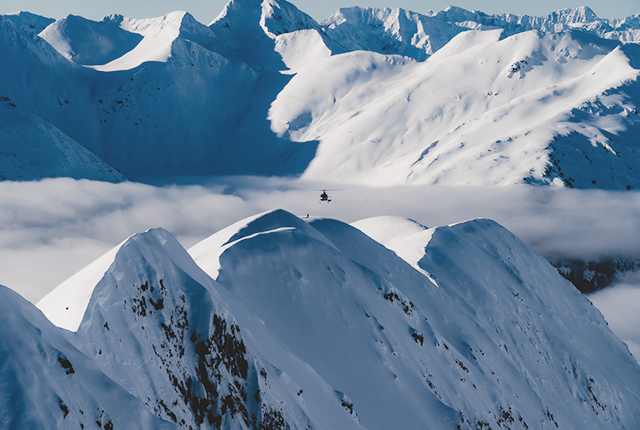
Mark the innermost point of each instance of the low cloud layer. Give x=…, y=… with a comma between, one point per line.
x=620, y=305
x=51, y=229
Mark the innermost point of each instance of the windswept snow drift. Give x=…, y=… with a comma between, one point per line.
x=314, y=323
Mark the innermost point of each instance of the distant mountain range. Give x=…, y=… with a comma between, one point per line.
x=376, y=96
x=281, y=323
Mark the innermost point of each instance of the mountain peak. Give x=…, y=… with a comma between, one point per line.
x=28, y=22
x=573, y=16
x=65, y=306
x=202, y=364
x=271, y=222
x=149, y=39
x=456, y=14
x=275, y=17
x=87, y=42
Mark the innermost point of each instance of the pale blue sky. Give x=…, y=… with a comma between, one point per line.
x=206, y=10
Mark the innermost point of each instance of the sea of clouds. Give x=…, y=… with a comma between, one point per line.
x=50, y=229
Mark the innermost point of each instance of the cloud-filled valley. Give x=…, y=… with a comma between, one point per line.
x=54, y=227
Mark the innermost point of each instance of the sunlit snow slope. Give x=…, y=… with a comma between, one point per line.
x=313, y=323
x=178, y=341
x=379, y=96
x=482, y=110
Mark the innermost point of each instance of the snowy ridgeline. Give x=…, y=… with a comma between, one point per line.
x=281, y=323
x=376, y=96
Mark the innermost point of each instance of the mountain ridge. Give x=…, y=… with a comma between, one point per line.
x=478, y=316
x=170, y=97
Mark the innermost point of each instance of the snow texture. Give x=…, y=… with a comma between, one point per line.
x=376, y=96
x=454, y=325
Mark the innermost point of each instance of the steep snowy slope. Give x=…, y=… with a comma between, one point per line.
x=494, y=289
x=40, y=81
x=47, y=88
x=491, y=340
x=66, y=305
x=30, y=148
x=174, y=117
x=45, y=382
x=446, y=253
x=176, y=340
x=482, y=110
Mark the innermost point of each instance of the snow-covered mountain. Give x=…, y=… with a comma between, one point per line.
x=46, y=382
x=390, y=31
x=380, y=96
x=35, y=149
x=555, y=108
x=290, y=323
x=167, y=106
x=582, y=18
x=87, y=42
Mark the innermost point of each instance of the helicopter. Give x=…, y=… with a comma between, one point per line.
x=324, y=197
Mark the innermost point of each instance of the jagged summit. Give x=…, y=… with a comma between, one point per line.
x=120, y=43
x=579, y=15
x=274, y=16
x=247, y=30
x=158, y=38
x=457, y=14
